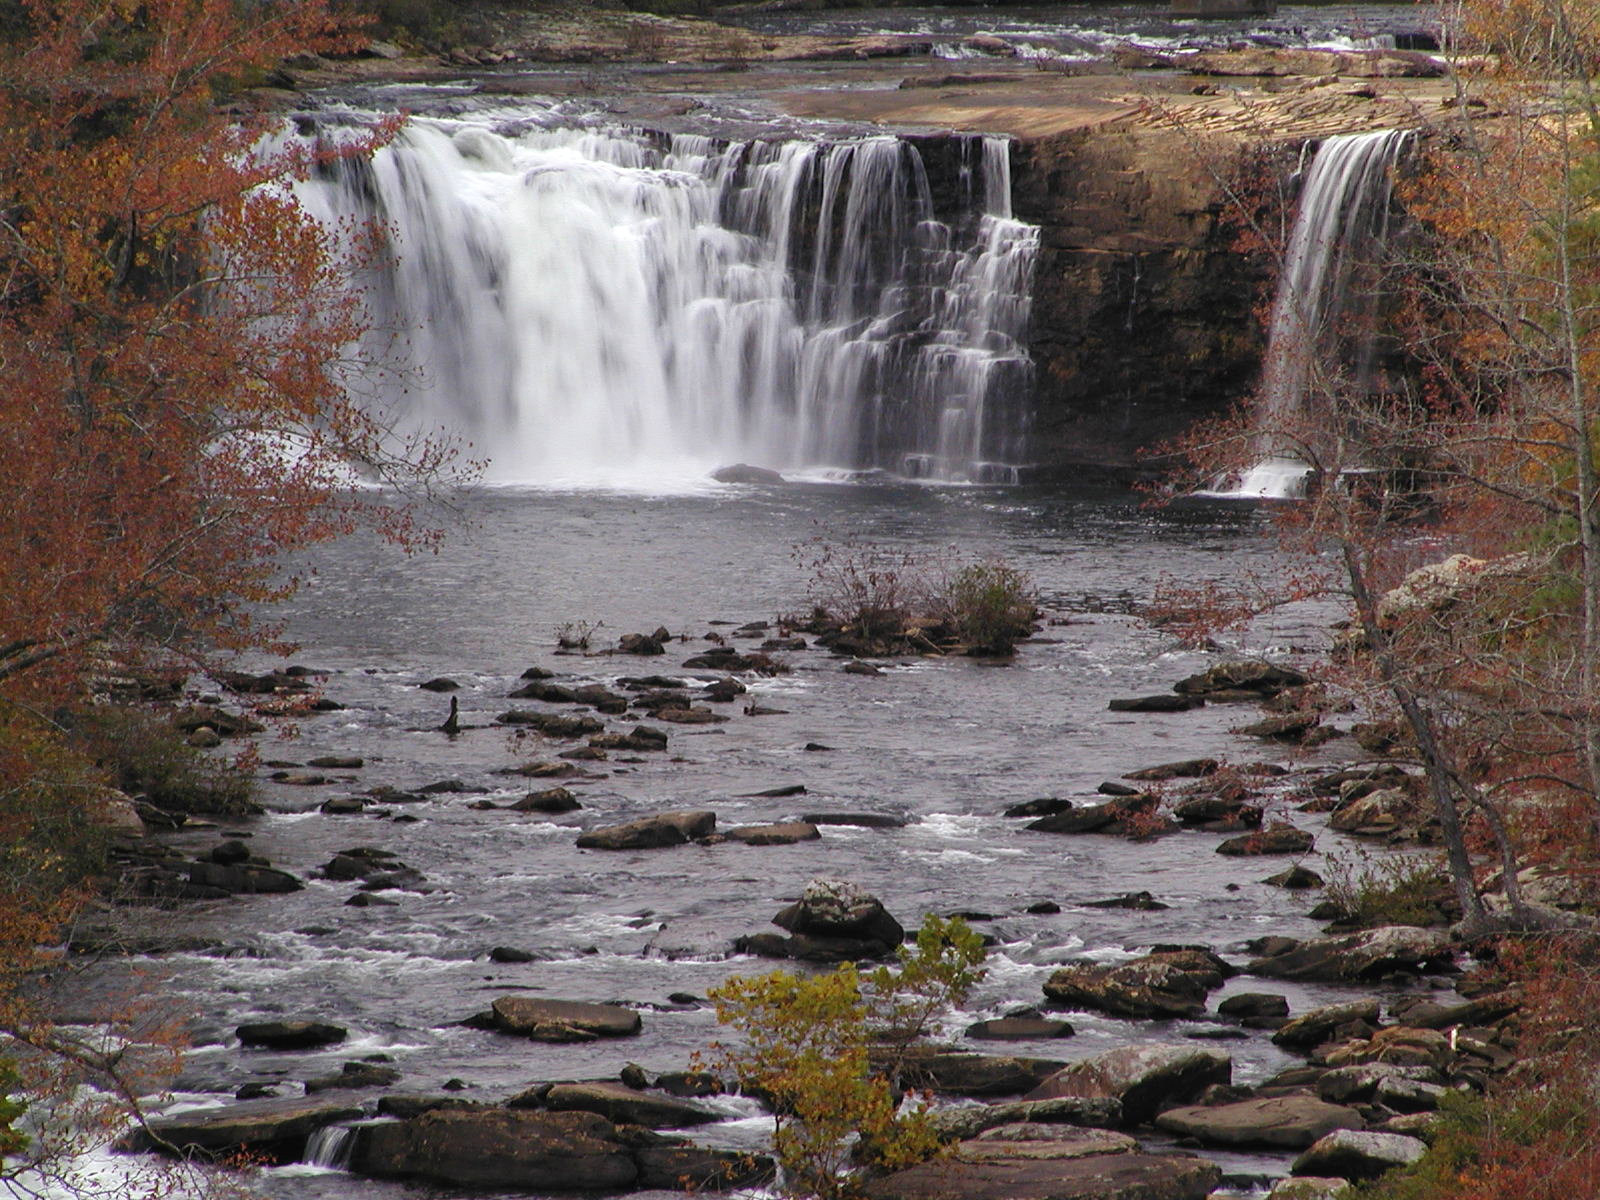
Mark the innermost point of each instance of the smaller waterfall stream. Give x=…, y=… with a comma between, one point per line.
x=1342, y=220
x=601, y=305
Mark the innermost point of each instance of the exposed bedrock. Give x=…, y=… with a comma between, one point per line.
x=1142, y=308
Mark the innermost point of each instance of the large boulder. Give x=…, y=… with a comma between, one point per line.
x=1433, y=589
x=500, y=1149
x=1163, y=983
x=833, y=921
x=1290, y=1122
x=1142, y=1078
x=1351, y=1154
x=561, y=1020
x=276, y=1130
x=649, y=833
x=1363, y=955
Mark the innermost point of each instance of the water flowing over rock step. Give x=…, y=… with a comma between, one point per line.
x=790, y=302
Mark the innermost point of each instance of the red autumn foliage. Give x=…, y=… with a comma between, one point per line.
x=173, y=331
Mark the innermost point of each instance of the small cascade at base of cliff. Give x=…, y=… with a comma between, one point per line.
x=1320, y=342
x=605, y=305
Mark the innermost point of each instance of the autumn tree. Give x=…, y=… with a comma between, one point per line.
x=180, y=403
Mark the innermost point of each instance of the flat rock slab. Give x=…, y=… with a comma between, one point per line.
x=498, y=1148
x=562, y=1020
x=1099, y=1177
x=1042, y=1143
x=650, y=833
x=276, y=1129
x=628, y=1106
x=1289, y=1122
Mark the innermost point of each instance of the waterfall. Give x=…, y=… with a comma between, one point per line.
x=1342, y=222
x=330, y=1147
x=605, y=305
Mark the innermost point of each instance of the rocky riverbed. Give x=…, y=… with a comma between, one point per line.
x=480, y=958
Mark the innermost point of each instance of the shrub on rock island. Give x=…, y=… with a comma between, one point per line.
x=825, y=1051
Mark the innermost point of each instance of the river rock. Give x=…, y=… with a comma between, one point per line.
x=1310, y=1187
x=782, y=833
x=243, y=878
x=1277, y=838
x=1290, y=1122
x=275, y=1129
x=958, y=1074
x=649, y=833
x=1296, y=877
x=1375, y=814
x=1188, y=768
x=1028, y=1171
x=551, y=800
x=970, y=1121
x=1317, y=1026
x=626, y=1106
x=552, y=724
x=1486, y=1009
x=1358, y=1084
x=1397, y=1044
x=1160, y=984
x=1161, y=702
x=1019, y=1029
x=290, y=1035
x=1254, y=1006
x=498, y=1149
x=838, y=908
x=1362, y=955
x=354, y=1075
x=562, y=1020
x=864, y=820
x=1351, y=1154
x=1142, y=1078
x=745, y=473
x=1254, y=675
x=641, y=737
x=689, y=716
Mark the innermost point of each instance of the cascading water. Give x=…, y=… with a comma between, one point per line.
x=613, y=306
x=1342, y=222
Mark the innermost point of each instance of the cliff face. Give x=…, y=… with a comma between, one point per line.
x=1144, y=312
